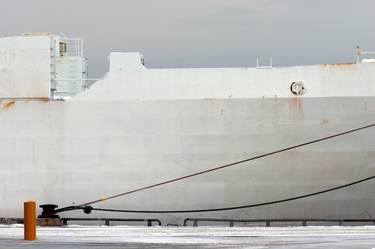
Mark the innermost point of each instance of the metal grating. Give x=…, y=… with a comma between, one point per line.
x=74, y=46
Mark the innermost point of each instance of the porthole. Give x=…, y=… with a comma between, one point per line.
x=297, y=87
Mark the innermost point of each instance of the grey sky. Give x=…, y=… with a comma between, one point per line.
x=202, y=33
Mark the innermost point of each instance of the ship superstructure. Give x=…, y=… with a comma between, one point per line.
x=41, y=65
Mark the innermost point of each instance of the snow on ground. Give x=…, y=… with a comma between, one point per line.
x=191, y=237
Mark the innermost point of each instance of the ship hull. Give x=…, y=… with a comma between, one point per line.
x=68, y=153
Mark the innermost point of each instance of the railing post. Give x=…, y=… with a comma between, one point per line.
x=29, y=220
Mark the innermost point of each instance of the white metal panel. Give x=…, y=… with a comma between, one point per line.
x=125, y=61
x=341, y=80
x=67, y=152
x=25, y=67
x=70, y=73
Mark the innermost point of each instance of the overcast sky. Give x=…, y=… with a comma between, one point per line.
x=202, y=33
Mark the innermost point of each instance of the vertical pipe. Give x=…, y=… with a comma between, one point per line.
x=29, y=218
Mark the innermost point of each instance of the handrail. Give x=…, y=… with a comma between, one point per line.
x=268, y=221
x=107, y=220
x=359, y=53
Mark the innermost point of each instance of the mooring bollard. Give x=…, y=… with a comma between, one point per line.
x=29, y=220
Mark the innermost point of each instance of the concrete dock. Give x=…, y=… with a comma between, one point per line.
x=11, y=236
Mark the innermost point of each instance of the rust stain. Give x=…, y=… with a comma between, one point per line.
x=8, y=104
x=296, y=108
x=348, y=64
x=44, y=99
x=324, y=121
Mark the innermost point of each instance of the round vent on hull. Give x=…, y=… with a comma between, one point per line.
x=298, y=87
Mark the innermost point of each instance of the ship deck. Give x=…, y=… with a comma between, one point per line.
x=191, y=237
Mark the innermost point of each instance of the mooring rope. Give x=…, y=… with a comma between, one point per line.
x=235, y=207
x=81, y=206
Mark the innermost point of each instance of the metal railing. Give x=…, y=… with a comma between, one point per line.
x=264, y=67
x=74, y=46
x=267, y=222
x=107, y=221
x=360, y=53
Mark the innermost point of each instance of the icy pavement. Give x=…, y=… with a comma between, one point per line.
x=190, y=237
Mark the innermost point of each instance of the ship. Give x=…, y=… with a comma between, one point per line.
x=67, y=139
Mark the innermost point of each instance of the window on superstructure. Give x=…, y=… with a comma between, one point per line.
x=63, y=48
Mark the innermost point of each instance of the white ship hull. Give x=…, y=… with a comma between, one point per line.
x=72, y=152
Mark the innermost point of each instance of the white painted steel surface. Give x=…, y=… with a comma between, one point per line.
x=139, y=127
x=33, y=65
x=25, y=70
x=125, y=61
x=70, y=152
x=340, y=80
